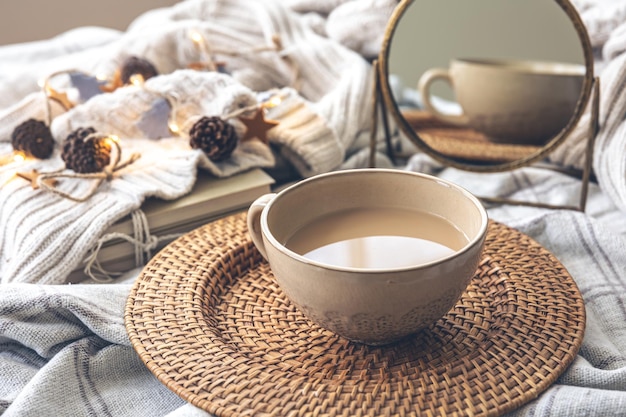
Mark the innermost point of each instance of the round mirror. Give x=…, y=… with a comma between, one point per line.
x=486, y=85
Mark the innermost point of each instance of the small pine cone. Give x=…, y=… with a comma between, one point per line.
x=135, y=65
x=215, y=136
x=33, y=137
x=84, y=155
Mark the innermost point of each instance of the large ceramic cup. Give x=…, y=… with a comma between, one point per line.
x=373, y=305
x=521, y=102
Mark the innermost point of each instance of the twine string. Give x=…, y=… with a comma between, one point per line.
x=107, y=174
x=54, y=94
x=142, y=240
x=47, y=108
x=190, y=121
x=173, y=101
x=48, y=92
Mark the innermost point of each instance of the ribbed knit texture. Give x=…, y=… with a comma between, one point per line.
x=197, y=94
x=45, y=237
x=192, y=93
x=323, y=120
x=364, y=18
x=305, y=139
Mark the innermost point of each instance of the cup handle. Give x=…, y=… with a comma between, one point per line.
x=253, y=220
x=423, y=87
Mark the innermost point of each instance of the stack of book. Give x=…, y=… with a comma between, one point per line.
x=210, y=199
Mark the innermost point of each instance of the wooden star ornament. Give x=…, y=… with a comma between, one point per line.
x=33, y=175
x=257, y=126
x=114, y=83
x=59, y=97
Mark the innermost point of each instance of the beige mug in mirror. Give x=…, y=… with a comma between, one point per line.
x=373, y=255
x=509, y=101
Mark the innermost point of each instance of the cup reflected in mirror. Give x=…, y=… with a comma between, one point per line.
x=520, y=102
x=373, y=255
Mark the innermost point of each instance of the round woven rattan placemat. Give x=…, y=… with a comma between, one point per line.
x=207, y=318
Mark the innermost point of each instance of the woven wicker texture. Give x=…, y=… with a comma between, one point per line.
x=464, y=144
x=207, y=318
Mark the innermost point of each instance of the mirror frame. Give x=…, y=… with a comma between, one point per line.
x=390, y=103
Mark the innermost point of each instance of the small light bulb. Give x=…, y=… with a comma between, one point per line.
x=174, y=128
x=197, y=37
x=111, y=140
x=137, y=80
x=273, y=102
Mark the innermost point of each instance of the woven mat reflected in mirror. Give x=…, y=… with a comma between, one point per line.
x=464, y=145
x=208, y=319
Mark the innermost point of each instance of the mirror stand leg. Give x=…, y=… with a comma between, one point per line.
x=379, y=103
x=594, y=127
x=385, y=120
x=375, y=103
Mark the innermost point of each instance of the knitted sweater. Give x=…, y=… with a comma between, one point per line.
x=324, y=117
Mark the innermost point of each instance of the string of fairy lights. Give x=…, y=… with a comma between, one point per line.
x=213, y=134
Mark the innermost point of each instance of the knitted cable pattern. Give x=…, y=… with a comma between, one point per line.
x=327, y=90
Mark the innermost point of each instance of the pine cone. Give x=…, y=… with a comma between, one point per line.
x=33, y=137
x=135, y=65
x=84, y=155
x=215, y=136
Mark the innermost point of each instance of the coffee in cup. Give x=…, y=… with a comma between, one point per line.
x=377, y=237
x=373, y=255
x=520, y=102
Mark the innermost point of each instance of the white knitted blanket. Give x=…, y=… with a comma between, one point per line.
x=64, y=350
x=324, y=116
